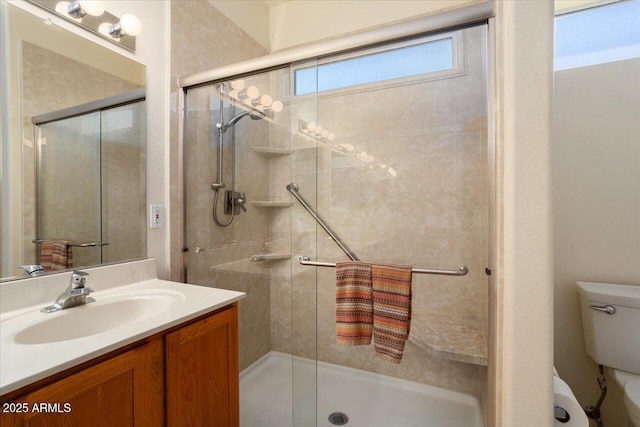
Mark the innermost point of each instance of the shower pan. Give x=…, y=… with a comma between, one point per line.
x=381, y=151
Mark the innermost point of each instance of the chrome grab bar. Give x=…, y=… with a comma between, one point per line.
x=293, y=189
x=79, y=245
x=303, y=260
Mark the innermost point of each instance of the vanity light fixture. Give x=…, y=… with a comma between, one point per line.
x=251, y=97
x=82, y=8
x=129, y=25
x=92, y=16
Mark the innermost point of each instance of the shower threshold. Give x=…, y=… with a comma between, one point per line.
x=280, y=391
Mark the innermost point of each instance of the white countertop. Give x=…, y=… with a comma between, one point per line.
x=22, y=364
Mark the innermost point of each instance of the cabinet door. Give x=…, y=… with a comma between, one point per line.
x=201, y=366
x=126, y=390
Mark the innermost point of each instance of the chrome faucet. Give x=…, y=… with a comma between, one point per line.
x=76, y=294
x=33, y=269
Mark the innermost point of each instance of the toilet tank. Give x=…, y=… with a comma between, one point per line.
x=612, y=339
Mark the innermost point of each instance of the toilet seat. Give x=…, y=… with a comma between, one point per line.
x=632, y=400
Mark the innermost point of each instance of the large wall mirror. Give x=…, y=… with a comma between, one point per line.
x=72, y=164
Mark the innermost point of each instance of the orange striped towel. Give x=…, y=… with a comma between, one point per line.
x=56, y=255
x=354, y=303
x=391, y=309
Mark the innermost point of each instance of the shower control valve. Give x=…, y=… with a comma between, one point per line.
x=240, y=201
x=234, y=201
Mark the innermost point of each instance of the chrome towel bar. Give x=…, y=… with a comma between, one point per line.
x=79, y=245
x=303, y=260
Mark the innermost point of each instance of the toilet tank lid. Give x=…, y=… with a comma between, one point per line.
x=626, y=295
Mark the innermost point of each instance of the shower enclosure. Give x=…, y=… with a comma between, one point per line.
x=388, y=148
x=91, y=180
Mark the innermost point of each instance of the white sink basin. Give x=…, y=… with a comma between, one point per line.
x=110, y=311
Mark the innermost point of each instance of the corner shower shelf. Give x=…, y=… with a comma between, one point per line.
x=269, y=257
x=450, y=337
x=272, y=152
x=271, y=204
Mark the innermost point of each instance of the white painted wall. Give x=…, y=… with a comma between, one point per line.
x=596, y=199
x=298, y=22
x=250, y=15
x=522, y=300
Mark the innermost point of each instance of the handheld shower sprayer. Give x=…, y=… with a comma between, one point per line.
x=233, y=201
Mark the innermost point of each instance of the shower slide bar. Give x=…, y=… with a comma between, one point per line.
x=79, y=245
x=303, y=260
x=293, y=189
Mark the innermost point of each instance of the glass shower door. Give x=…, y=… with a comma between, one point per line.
x=237, y=146
x=91, y=184
x=69, y=205
x=390, y=150
x=124, y=176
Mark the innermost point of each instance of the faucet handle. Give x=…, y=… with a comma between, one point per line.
x=80, y=291
x=241, y=201
x=78, y=279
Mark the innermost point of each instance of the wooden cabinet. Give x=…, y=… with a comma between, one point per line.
x=201, y=363
x=185, y=376
x=125, y=390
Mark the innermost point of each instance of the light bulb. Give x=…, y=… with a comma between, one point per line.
x=130, y=24
x=61, y=7
x=266, y=100
x=325, y=133
x=311, y=127
x=331, y=136
x=92, y=7
x=233, y=94
x=277, y=106
x=253, y=92
x=319, y=130
x=237, y=84
x=104, y=28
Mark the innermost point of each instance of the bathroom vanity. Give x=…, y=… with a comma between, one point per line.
x=159, y=353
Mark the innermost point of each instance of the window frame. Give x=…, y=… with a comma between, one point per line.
x=458, y=68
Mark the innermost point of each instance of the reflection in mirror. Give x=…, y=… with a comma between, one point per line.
x=73, y=149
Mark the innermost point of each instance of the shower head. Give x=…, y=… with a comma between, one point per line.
x=238, y=117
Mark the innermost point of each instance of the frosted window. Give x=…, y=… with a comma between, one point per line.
x=391, y=64
x=598, y=35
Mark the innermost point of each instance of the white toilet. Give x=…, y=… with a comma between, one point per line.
x=611, y=323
